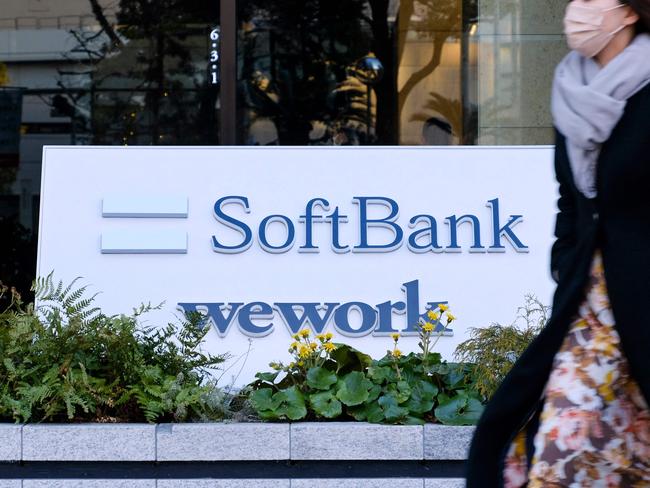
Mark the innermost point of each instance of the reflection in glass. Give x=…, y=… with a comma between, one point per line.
x=315, y=72
x=300, y=81
x=94, y=72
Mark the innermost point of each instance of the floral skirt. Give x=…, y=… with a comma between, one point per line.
x=594, y=428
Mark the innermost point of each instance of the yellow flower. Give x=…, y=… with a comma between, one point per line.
x=432, y=315
x=443, y=308
x=329, y=347
x=293, y=346
x=321, y=337
x=295, y=336
x=304, y=333
x=313, y=346
x=428, y=327
x=450, y=317
x=397, y=353
x=395, y=336
x=304, y=352
x=301, y=364
x=329, y=336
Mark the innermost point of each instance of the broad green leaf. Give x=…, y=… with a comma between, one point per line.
x=374, y=393
x=423, y=396
x=262, y=399
x=379, y=374
x=291, y=403
x=349, y=359
x=400, y=390
x=268, y=415
x=456, y=376
x=374, y=413
x=268, y=377
x=441, y=369
x=359, y=412
x=353, y=388
x=411, y=420
x=320, y=378
x=392, y=411
x=434, y=358
x=325, y=404
x=459, y=410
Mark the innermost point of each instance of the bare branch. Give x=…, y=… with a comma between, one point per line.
x=426, y=70
x=105, y=25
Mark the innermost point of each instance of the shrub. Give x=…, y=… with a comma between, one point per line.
x=334, y=381
x=65, y=359
x=493, y=350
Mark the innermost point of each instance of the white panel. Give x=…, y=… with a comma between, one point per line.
x=145, y=206
x=480, y=287
x=144, y=242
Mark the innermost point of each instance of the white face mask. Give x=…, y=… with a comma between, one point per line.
x=583, y=27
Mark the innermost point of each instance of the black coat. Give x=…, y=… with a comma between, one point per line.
x=618, y=222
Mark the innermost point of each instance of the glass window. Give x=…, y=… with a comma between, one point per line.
x=108, y=72
x=262, y=72
x=432, y=72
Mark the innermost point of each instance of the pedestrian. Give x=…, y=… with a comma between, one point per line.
x=573, y=411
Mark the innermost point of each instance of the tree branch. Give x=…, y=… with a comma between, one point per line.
x=103, y=22
x=426, y=70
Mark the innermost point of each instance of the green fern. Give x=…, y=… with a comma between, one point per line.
x=69, y=302
x=63, y=359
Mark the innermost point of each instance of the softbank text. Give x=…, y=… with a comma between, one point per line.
x=423, y=237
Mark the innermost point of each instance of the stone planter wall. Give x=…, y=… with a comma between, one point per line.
x=241, y=455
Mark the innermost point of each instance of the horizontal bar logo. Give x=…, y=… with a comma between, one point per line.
x=137, y=240
x=144, y=242
x=142, y=207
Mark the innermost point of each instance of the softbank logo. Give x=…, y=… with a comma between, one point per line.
x=352, y=319
x=421, y=233
x=424, y=236
x=133, y=237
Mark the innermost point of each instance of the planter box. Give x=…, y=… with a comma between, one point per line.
x=220, y=455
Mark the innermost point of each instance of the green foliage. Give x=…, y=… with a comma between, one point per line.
x=323, y=378
x=65, y=359
x=335, y=381
x=493, y=350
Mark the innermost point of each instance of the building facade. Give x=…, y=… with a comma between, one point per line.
x=262, y=72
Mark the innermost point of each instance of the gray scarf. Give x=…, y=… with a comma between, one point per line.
x=587, y=102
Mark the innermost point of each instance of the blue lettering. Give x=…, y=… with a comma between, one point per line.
x=413, y=315
x=335, y=218
x=233, y=223
x=290, y=229
x=214, y=314
x=310, y=315
x=430, y=233
x=387, y=223
x=505, y=231
x=259, y=310
x=385, y=309
x=342, y=319
x=310, y=218
x=453, y=223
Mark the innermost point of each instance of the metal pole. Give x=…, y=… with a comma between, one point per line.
x=228, y=78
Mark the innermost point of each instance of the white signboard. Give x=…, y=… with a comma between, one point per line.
x=359, y=241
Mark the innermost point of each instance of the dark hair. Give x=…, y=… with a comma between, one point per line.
x=642, y=8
